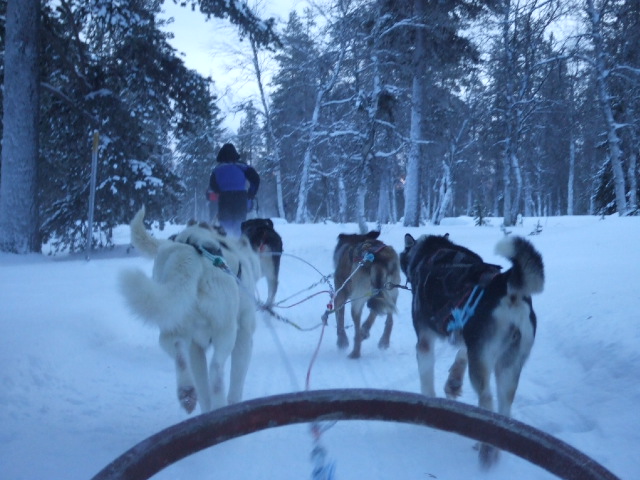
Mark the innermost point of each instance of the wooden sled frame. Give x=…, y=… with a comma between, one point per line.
x=183, y=439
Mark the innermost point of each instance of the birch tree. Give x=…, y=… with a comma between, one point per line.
x=518, y=71
x=620, y=34
x=273, y=143
x=333, y=58
x=602, y=70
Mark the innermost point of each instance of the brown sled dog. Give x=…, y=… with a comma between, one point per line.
x=364, y=268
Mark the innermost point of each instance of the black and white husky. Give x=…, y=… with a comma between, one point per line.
x=268, y=244
x=200, y=295
x=492, y=313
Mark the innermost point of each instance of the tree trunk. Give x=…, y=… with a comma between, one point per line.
x=633, y=182
x=444, y=195
x=613, y=140
x=302, y=215
x=342, y=199
x=572, y=175
x=270, y=133
x=527, y=201
x=19, y=226
x=412, y=181
x=517, y=173
x=384, y=209
x=632, y=175
x=506, y=180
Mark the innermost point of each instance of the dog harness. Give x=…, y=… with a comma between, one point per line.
x=456, y=282
x=214, y=254
x=366, y=251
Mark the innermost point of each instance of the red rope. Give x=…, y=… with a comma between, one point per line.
x=304, y=299
x=313, y=359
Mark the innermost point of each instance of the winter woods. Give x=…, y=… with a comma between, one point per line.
x=375, y=110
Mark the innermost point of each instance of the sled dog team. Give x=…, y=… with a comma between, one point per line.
x=201, y=294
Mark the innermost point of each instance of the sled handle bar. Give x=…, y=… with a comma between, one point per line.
x=190, y=436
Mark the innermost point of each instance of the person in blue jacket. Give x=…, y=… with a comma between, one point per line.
x=236, y=185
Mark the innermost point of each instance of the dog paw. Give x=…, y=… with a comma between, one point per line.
x=354, y=355
x=364, y=333
x=488, y=455
x=383, y=344
x=188, y=398
x=343, y=341
x=453, y=389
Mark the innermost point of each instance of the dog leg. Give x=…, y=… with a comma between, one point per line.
x=240, y=358
x=356, y=313
x=383, y=344
x=509, y=366
x=272, y=288
x=176, y=348
x=339, y=302
x=507, y=379
x=200, y=375
x=269, y=272
x=453, y=387
x=425, y=356
x=365, y=331
x=479, y=374
x=216, y=379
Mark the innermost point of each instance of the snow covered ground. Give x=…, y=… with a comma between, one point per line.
x=81, y=380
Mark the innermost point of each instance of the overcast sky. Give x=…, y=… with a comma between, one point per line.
x=208, y=47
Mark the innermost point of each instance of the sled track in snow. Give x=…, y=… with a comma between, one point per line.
x=188, y=437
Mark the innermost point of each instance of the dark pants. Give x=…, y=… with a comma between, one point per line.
x=232, y=211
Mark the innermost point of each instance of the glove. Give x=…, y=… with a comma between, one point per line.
x=212, y=196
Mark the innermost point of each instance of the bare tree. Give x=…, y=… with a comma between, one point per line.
x=273, y=145
x=324, y=86
x=519, y=71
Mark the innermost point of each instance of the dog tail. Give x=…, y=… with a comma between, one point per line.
x=526, y=277
x=163, y=304
x=140, y=237
x=383, y=302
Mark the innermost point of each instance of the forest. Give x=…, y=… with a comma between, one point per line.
x=377, y=111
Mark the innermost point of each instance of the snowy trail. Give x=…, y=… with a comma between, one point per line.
x=82, y=381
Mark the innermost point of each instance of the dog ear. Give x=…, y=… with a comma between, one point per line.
x=409, y=241
x=372, y=235
x=269, y=222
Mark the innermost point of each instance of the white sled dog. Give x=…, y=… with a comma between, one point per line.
x=200, y=294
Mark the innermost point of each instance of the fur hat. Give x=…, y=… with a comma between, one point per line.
x=228, y=154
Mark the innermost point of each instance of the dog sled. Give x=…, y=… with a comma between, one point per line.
x=190, y=436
